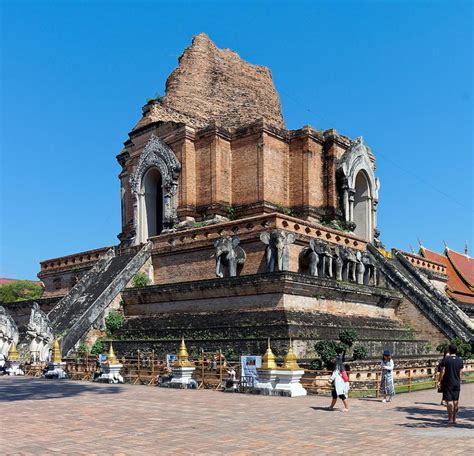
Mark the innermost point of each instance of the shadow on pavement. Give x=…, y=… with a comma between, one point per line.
x=435, y=416
x=20, y=389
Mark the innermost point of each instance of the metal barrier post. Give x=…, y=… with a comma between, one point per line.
x=377, y=384
x=409, y=380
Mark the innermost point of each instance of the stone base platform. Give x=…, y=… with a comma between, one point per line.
x=238, y=314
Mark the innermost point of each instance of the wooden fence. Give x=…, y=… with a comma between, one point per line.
x=213, y=371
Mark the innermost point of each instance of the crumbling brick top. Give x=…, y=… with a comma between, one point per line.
x=215, y=86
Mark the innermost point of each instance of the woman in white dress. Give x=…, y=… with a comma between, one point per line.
x=387, y=388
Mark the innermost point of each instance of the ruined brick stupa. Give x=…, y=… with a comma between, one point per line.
x=247, y=230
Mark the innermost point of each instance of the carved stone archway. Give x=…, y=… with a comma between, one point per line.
x=155, y=155
x=359, y=188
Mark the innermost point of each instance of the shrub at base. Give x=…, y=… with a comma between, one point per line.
x=140, y=280
x=359, y=353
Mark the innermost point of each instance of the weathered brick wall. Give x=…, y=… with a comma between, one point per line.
x=275, y=170
x=411, y=316
x=247, y=170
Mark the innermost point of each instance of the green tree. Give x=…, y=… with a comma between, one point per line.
x=113, y=321
x=326, y=349
x=359, y=352
x=347, y=338
x=97, y=347
x=464, y=348
x=140, y=280
x=21, y=290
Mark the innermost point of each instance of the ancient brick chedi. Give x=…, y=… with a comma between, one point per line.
x=217, y=138
x=247, y=230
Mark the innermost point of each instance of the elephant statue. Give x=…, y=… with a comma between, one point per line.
x=325, y=258
x=338, y=262
x=229, y=256
x=309, y=258
x=370, y=269
x=349, y=264
x=360, y=269
x=276, y=253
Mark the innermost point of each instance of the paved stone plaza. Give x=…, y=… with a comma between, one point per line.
x=47, y=417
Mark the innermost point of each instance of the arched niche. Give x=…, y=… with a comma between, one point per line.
x=152, y=203
x=362, y=206
x=359, y=189
x=154, y=186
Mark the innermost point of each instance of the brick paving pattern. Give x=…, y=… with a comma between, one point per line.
x=48, y=417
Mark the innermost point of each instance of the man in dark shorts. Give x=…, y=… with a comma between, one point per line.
x=450, y=379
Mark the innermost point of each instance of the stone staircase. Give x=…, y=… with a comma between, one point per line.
x=438, y=308
x=76, y=312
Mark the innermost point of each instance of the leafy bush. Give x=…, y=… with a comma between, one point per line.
x=326, y=349
x=98, y=347
x=113, y=321
x=348, y=337
x=140, y=280
x=316, y=364
x=360, y=352
x=464, y=348
x=231, y=213
x=21, y=290
x=83, y=349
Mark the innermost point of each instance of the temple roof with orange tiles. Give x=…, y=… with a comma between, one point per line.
x=460, y=272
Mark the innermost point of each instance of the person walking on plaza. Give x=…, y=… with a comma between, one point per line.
x=437, y=376
x=450, y=381
x=340, y=388
x=387, y=388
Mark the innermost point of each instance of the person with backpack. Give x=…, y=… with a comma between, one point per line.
x=450, y=381
x=340, y=388
x=387, y=387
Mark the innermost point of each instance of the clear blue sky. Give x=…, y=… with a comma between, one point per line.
x=74, y=76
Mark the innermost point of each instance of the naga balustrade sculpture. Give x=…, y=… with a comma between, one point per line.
x=230, y=257
x=277, y=254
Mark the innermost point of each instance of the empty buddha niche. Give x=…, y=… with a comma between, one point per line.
x=362, y=206
x=151, y=204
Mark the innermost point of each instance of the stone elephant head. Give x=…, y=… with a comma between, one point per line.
x=230, y=256
x=277, y=255
x=309, y=258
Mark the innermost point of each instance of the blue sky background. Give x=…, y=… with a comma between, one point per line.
x=74, y=76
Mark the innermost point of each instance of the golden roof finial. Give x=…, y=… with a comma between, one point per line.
x=290, y=361
x=269, y=359
x=183, y=360
x=111, y=358
x=56, y=353
x=13, y=353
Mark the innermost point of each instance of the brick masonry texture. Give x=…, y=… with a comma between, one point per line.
x=85, y=418
x=216, y=85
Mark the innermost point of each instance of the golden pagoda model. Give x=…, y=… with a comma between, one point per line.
x=111, y=358
x=110, y=369
x=56, y=366
x=269, y=359
x=56, y=354
x=265, y=383
x=14, y=361
x=183, y=356
x=290, y=361
x=182, y=370
x=289, y=376
x=13, y=353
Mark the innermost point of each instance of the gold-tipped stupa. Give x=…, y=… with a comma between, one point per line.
x=111, y=358
x=290, y=361
x=56, y=353
x=183, y=356
x=13, y=353
x=269, y=359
